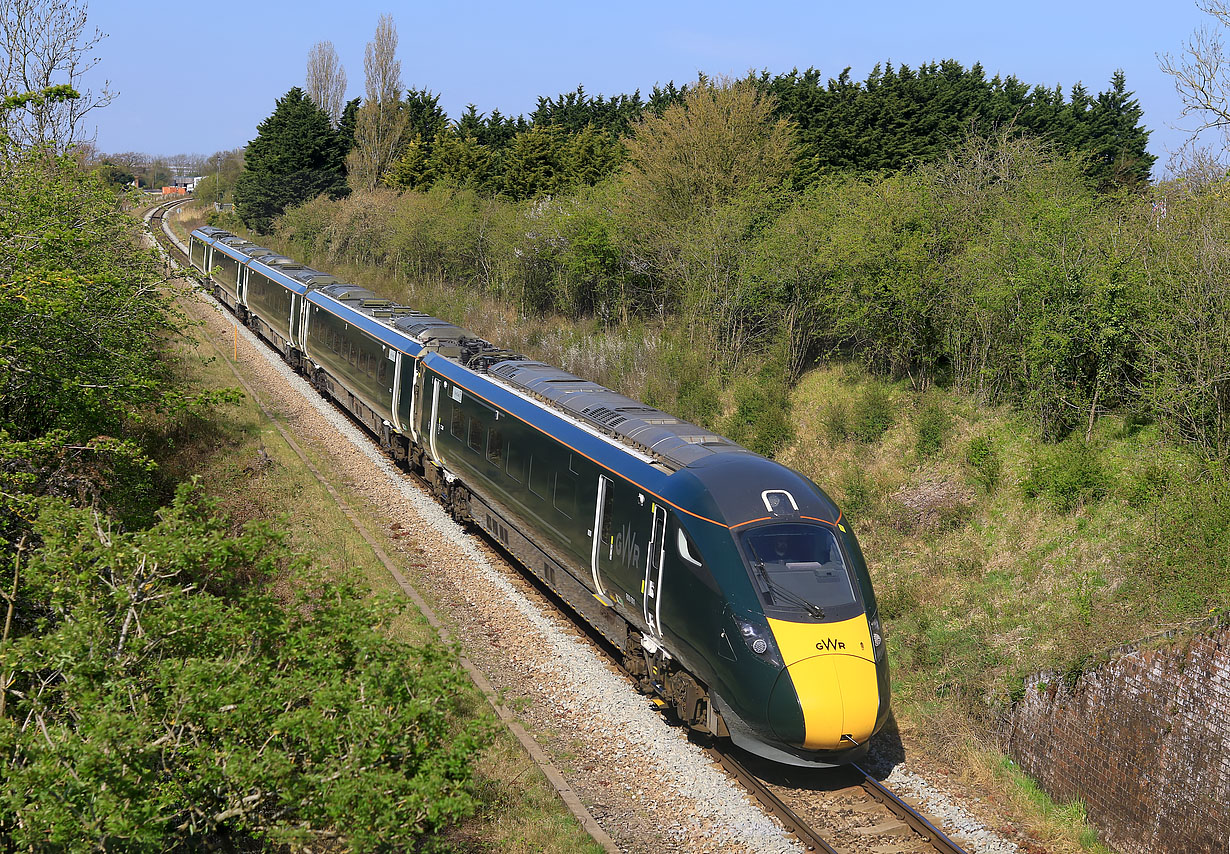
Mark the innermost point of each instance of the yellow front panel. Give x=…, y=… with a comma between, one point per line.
x=798, y=641
x=834, y=673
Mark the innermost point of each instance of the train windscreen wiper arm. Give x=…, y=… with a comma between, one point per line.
x=783, y=591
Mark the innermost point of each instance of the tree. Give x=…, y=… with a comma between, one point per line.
x=220, y=171
x=901, y=116
x=1116, y=141
x=346, y=125
x=43, y=43
x=326, y=80
x=1202, y=73
x=1185, y=336
x=380, y=123
x=701, y=176
x=116, y=176
x=295, y=157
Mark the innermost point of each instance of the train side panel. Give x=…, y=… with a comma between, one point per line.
x=358, y=362
x=272, y=302
x=581, y=514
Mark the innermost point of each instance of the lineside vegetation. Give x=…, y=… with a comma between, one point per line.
x=158, y=689
x=1020, y=394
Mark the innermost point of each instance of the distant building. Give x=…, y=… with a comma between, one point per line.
x=188, y=183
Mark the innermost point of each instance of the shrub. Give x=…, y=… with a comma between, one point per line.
x=1069, y=474
x=1187, y=554
x=836, y=421
x=857, y=489
x=216, y=720
x=761, y=420
x=227, y=220
x=1146, y=485
x=872, y=414
x=933, y=425
x=984, y=461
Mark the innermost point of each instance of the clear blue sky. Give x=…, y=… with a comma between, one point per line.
x=222, y=64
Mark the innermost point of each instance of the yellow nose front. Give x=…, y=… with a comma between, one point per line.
x=839, y=697
x=832, y=673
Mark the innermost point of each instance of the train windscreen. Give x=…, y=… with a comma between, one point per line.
x=799, y=571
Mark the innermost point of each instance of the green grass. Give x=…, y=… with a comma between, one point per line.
x=1064, y=822
x=1031, y=557
x=519, y=811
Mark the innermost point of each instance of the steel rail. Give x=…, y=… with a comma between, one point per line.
x=772, y=803
x=932, y=834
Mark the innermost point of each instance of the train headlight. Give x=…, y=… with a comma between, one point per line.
x=877, y=636
x=759, y=640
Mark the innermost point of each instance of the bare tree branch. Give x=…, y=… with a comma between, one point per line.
x=326, y=79
x=381, y=122
x=44, y=44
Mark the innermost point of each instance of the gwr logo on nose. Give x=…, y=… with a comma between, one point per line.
x=830, y=644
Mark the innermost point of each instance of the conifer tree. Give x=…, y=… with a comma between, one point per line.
x=295, y=157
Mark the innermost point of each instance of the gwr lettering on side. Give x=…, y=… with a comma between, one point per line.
x=830, y=645
x=628, y=549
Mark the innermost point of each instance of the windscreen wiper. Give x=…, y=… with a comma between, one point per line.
x=782, y=591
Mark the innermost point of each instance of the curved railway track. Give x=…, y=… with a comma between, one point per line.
x=835, y=810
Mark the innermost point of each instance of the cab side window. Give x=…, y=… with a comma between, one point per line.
x=690, y=558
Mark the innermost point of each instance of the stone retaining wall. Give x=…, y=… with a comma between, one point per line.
x=1143, y=741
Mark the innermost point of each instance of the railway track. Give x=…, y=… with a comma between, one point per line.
x=839, y=810
x=830, y=810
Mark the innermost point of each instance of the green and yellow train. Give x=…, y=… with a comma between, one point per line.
x=735, y=590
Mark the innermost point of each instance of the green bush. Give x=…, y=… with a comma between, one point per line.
x=173, y=717
x=984, y=461
x=1186, y=556
x=761, y=420
x=933, y=425
x=226, y=220
x=1146, y=485
x=836, y=421
x=858, y=490
x=1069, y=474
x=872, y=414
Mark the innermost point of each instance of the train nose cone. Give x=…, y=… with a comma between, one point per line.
x=838, y=696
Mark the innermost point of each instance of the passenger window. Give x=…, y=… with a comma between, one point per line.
x=539, y=477
x=495, y=446
x=458, y=425
x=514, y=463
x=476, y=436
x=608, y=512
x=382, y=373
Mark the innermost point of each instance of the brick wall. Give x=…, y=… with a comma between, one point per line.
x=1143, y=741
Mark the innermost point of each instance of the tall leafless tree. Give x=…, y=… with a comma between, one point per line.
x=380, y=123
x=1202, y=74
x=45, y=43
x=326, y=79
